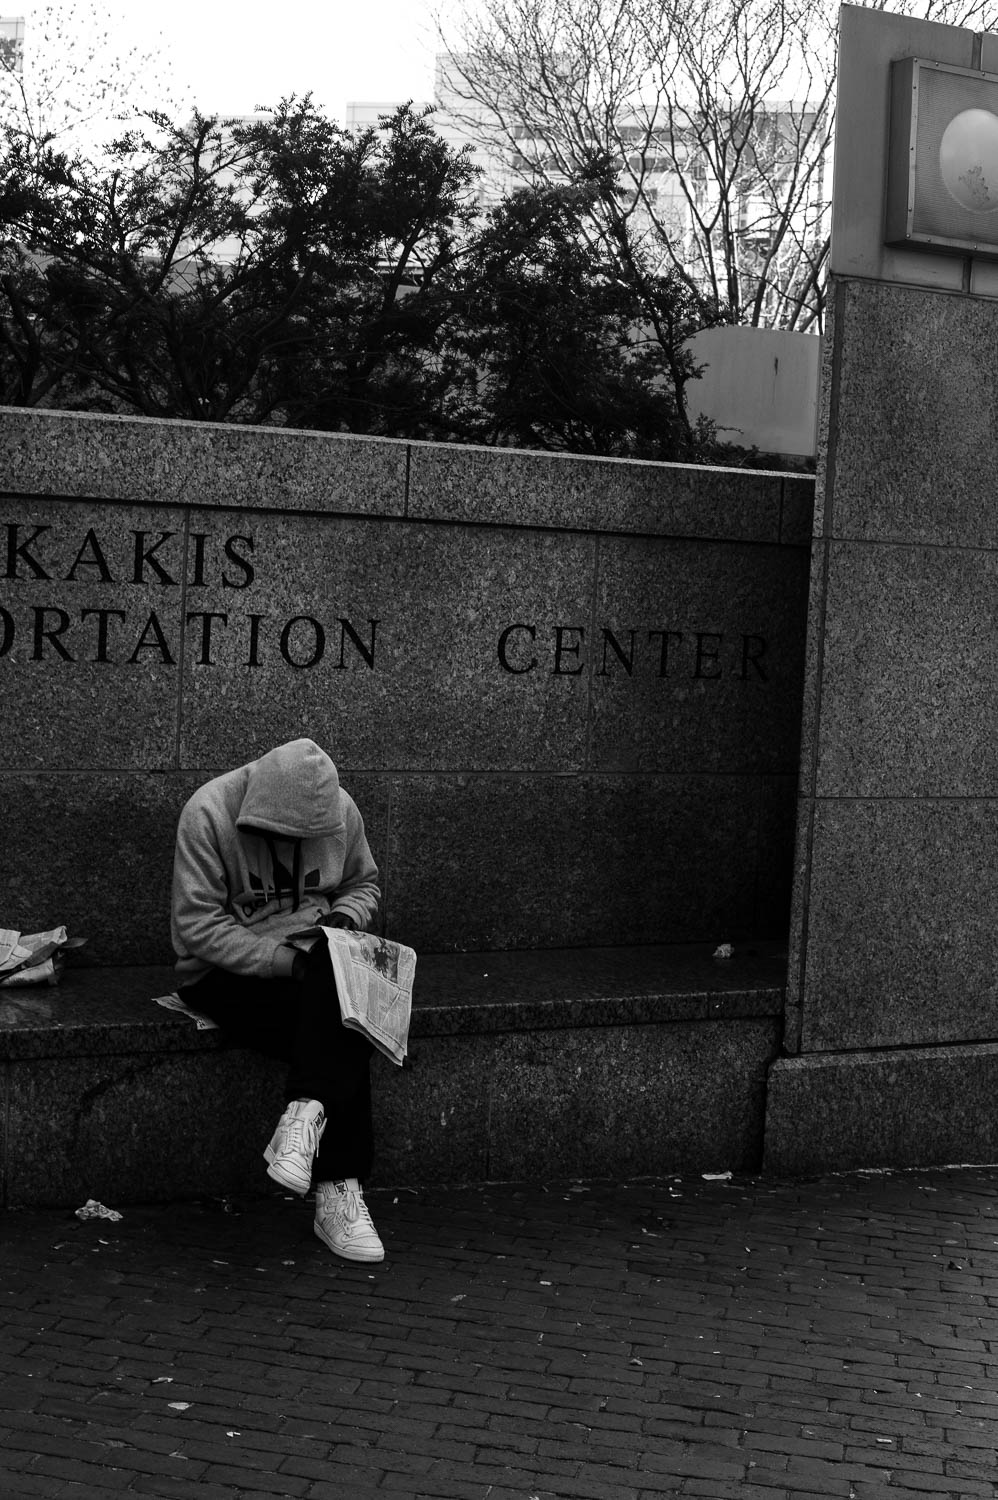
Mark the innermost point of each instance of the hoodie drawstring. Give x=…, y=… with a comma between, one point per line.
x=275, y=866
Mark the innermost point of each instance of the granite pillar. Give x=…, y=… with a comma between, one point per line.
x=894, y=942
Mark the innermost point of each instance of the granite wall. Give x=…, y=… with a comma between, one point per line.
x=898, y=848
x=892, y=995
x=564, y=692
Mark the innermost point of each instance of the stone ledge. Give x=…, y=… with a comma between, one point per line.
x=108, y=1011
x=582, y=1063
x=459, y=483
x=148, y=460
x=895, y=1107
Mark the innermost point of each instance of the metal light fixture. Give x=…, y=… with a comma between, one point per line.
x=942, y=175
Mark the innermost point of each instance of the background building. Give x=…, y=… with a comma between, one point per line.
x=11, y=42
x=754, y=219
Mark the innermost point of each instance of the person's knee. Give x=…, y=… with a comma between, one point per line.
x=318, y=965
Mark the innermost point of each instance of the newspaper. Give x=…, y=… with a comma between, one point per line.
x=35, y=957
x=173, y=1001
x=374, y=983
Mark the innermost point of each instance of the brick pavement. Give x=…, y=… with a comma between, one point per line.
x=685, y=1337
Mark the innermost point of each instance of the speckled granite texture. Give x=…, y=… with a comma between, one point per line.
x=437, y=696
x=926, y=363
x=893, y=937
x=110, y=1010
x=503, y=486
x=153, y=1127
x=583, y=859
x=903, y=896
x=90, y=658
x=910, y=673
x=546, y=861
x=94, y=852
x=913, y=1107
x=137, y=459
x=565, y=692
x=730, y=699
x=623, y=1060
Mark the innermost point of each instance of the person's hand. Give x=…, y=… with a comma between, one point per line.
x=339, y=919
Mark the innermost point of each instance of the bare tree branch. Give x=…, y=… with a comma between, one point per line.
x=717, y=118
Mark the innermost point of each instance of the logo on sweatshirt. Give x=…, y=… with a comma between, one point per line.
x=278, y=886
x=284, y=880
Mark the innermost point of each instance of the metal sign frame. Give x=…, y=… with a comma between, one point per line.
x=916, y=199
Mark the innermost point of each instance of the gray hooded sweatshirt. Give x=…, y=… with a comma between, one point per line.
x=264, y=851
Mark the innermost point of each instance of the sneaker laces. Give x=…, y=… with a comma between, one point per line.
x=354, y=1207
x=302, y=1135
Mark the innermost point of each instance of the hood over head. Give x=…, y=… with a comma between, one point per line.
x=293, y=792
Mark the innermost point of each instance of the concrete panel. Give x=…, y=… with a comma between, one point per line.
x=909, y=691
x=915, y=419
x=759, y=386
x=827, y=433
x=143, y=1128
x=432, y=1119
x=812, y=679
x=598, y=1062
x=207, y=463
x=696, y=659
x=481, y=994
x=95, y=852
x=549, y=861
x=927, y=1106
x=388, y=642
x=902, y=946
x=502, y=486
x=892, y=943
x=777, y=831
x=91, y=634
x=93, y=1012
x=639, y=1100
x=797, y=513
x=453, y=670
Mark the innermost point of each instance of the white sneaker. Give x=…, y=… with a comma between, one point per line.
x=342, y=1221
x=294, y=1144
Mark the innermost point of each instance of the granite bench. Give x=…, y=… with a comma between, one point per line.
x=560, y=1063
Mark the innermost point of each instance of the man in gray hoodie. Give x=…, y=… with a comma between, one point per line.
x=263, y=852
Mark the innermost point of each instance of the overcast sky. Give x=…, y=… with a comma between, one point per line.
x=229, y=56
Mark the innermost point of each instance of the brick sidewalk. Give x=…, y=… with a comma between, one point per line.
x=686, y=1337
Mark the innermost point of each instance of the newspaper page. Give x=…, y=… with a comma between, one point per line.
x=374, y=983
x=35, y=957
x=174, y=1001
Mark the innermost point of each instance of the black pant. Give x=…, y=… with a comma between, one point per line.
x=298, y=1020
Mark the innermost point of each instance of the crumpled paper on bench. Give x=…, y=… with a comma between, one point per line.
x=174, y=1002
x=35, y=957
x=94, y=1210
